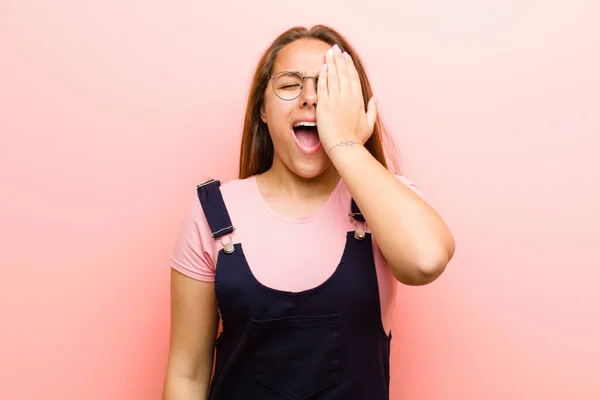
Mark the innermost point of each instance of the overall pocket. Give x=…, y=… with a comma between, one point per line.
x=296, y=357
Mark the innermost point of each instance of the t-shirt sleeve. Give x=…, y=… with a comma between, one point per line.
x=194, y=251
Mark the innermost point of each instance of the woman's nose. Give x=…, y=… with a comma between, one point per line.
x=309, y=92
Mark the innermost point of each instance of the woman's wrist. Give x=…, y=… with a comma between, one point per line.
x=347, y=154
x=344, y=143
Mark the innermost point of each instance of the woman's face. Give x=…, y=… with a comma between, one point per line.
x=297, y=148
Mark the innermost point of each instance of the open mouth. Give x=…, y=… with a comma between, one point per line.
x=306, y=136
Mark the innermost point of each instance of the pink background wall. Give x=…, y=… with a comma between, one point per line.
x=111, y=112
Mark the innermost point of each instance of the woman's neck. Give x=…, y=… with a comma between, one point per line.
x=279, y=181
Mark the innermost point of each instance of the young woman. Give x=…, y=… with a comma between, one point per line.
x=300, y=257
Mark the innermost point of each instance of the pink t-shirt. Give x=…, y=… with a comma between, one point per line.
x=284, y=253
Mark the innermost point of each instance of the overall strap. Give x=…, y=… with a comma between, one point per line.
x=355, y=212
x=214, y=208
x=356, y=215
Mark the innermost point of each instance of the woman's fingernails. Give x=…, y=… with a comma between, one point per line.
x=336, y=48
x=324, y=67
x=330, y=53
x=347, y=56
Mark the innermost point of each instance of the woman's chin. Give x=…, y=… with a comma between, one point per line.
x=310, y=170
x=303, y=165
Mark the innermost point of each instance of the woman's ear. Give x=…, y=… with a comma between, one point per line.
x=263, y=114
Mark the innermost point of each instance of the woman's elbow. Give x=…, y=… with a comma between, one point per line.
x=425, y=270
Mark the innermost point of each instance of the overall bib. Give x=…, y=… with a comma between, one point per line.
x=324, y=343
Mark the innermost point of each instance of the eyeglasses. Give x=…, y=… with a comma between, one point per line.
x=288, y=85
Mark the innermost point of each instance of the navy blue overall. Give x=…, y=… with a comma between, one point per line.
x=324, y=343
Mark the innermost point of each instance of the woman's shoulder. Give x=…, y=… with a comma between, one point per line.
x=240, y=195
x=238, y=184
x=233, y=192
x=231, y=185
x=236, y=190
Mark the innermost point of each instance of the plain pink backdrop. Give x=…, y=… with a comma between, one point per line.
x=111, y=112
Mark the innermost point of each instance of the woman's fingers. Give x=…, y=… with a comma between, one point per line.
x=333, y=81
x=322, y=92
x=341, y=64
x=353, y=75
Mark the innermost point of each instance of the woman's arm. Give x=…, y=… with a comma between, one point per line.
x=412, y=237
x=194, y=323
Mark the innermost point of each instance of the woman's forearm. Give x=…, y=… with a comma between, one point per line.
x=413, y=238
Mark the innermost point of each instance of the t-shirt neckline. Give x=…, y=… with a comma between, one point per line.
x=289, y=219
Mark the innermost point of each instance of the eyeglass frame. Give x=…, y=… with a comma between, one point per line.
x=273, y=77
